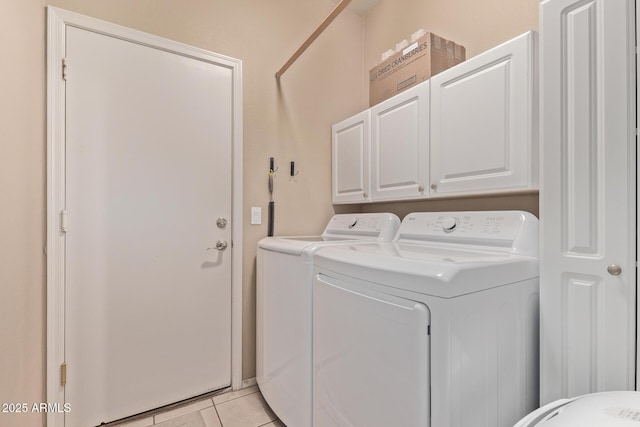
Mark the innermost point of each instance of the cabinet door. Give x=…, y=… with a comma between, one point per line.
x=483, y=122
x=400, y=145
x=587, y=197
x=350, y=159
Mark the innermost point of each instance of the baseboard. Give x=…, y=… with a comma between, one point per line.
x=249, y=382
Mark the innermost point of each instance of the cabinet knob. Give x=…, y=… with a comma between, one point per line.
x=364, y=195
x=614, y=269
x=434, y=186
x=420, y=188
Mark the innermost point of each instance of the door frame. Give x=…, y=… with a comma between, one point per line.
x=57, y=22
x=637, y=194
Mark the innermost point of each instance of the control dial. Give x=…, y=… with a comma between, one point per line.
x=450, y=223
x=353, y=223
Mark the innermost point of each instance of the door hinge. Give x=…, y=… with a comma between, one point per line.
x=63, y=221
x=64, y=69
x=428, y=329
x=63, y=374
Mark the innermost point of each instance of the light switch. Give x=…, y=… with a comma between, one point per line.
x=256, y=215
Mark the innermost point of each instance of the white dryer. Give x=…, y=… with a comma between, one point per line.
x=438, y=328
x=283, y=309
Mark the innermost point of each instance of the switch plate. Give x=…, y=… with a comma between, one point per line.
x=256, y=215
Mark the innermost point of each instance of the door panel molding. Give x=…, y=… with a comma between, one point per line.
x=580, y=294
x=58, y=21
x=582, y=180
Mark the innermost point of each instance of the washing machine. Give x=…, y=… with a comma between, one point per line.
x=438, y=328
x=283, y=309
x=611, y=409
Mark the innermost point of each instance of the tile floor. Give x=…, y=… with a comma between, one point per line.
x=242, y=408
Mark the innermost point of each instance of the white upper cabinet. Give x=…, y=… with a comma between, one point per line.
x=484, y=122
x=350, y=159
x=400, y=145
x=471, y=129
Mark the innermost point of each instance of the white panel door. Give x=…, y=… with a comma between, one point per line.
x=350, y=159
x=148, y=172
x=587, y=256
x=400, y=145
x=483, y=122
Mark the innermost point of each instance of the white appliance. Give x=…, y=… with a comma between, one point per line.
x=438, y=328
x=283, y=309
x=611, y=409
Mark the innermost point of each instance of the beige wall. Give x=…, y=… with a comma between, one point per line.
x=477, y=25
x=22, y=207
x=289, y=122
x=526, y=202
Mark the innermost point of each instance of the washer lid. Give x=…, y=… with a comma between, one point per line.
x=611, y=409
x=431, y=270
x=295, y=245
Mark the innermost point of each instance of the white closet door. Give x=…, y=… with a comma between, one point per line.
x=588, y=232
x=148, y=172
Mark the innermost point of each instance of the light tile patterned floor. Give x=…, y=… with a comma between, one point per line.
x=242, y=408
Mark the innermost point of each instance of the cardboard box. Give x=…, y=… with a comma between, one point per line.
x=428, y=56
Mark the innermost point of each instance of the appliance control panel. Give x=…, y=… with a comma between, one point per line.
x=383, y=225
x=500, y=229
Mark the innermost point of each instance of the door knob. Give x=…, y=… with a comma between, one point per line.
x=614, y=269
x=221, y=245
